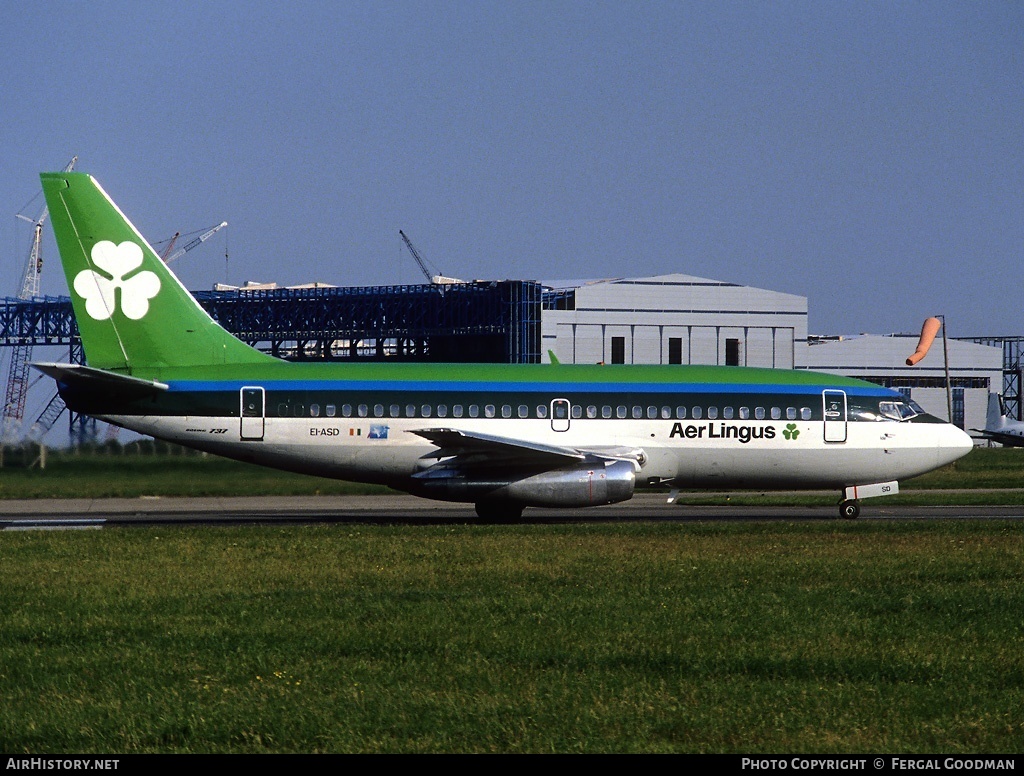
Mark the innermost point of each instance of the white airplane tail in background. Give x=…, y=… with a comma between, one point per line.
x=999, y=427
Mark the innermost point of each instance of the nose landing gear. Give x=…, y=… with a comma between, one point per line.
x=849, y=509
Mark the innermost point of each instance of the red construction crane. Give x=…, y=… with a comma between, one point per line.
x=18, y=374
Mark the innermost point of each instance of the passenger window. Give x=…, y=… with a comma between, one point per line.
x=314, y=410
x=395, y=410
x=776, y=413
x=506, y=411
x=346, y=410
x=666, y=412
x=712, y=413
x=410, y=410
x=442, y=410
x=805, y=413
x=362, y=410
x=577, y=410
x=542, y=410
x=331, y=410
x=744, y=413
x=620, y=411
x=759, y=413
x=524, y=411
x=378, y=410
x=728, y=413
x=427, y=410
x=652, y=412
x=681, y=412
x=697, y=413
x=638, y=412
x=457, y=411
x=591, y=411
x=474, y=411
x=606, y=411
x=489, y=411
x=790, y=413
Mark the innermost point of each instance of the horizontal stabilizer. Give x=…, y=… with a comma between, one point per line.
x=80, y=378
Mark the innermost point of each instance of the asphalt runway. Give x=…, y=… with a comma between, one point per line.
x=409, y=510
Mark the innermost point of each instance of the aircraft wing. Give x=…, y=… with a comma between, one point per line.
x=470, y=448
x=1008, y=440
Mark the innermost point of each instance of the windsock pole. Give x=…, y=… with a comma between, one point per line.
x=949, y=388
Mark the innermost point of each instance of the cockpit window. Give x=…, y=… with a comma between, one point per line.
x=899, y=410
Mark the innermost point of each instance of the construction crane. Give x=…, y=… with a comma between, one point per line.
x=21, y=354
x=170, y=246
x=438, y=279
x=193, y=243
x=53, y=410
x=416, y=255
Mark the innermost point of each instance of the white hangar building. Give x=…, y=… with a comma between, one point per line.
x=673, y=319
x=681, y=319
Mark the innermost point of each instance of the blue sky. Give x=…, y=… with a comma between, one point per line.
x=866, y=155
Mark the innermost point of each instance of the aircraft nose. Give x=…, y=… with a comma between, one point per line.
x=954, y=443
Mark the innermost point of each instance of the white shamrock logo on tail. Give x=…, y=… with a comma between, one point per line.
x=100, y=293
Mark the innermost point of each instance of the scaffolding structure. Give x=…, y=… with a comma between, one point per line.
x=494, y=322
x=497, y=322
x=1013, y=370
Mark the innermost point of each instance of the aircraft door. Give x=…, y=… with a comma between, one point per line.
x=560, y=415
x=253, y=401
x=835, y=415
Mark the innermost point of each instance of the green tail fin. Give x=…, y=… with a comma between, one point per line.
x=132, y=312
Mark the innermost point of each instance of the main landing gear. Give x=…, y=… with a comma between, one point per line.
x=849, y=509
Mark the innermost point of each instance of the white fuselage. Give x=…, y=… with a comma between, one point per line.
x=687, y=453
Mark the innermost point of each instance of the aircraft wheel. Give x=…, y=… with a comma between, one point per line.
x=498, y=511
x=849, y=510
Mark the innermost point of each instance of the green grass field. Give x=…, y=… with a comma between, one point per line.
x=183, y=473
x=823, y=637
x=743, y=637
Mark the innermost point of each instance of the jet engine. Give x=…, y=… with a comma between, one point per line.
x=582, y=485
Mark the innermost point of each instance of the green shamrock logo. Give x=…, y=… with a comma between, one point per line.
x=790, y=431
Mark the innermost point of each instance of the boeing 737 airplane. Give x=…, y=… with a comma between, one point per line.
x=502, y=437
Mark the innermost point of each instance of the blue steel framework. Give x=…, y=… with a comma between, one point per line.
x=495, y=321
x=468, y=322
x=1013, y=370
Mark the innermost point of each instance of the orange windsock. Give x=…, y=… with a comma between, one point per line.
x=928, y=332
